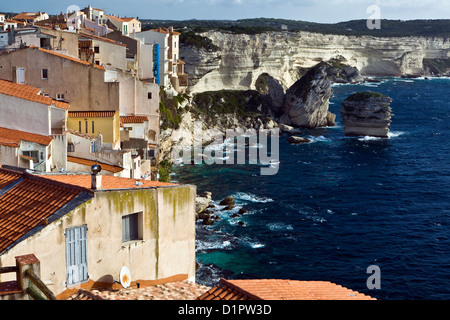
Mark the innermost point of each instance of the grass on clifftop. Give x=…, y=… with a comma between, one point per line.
x=361, y=96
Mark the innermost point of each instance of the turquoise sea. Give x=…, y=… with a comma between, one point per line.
x=339, y=205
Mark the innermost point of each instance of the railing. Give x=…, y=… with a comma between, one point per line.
x=40, y=285
x=26, y=279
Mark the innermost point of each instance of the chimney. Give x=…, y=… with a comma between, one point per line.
x=96, y=178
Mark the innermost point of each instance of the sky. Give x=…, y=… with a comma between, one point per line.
x=324, y=11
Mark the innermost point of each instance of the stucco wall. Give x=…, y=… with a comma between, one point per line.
x=168, y=237
x=111, y=54
x=22, y=112
x=83, y=86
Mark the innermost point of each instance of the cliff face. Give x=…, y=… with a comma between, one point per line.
x=283, y=55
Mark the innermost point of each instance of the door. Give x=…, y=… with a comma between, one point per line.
x=20, y=75
x=76, y=255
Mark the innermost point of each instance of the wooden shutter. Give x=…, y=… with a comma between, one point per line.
x=76, y=255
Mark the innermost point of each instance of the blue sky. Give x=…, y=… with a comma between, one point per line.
x=329, y=11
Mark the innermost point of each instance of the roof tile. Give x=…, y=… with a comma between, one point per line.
x=275, y=289
x=87, y=162
x=91, y=114
x=31, y=200
x=108, y=182
x=12, y=138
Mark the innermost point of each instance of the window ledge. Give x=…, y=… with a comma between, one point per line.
x=131, y=243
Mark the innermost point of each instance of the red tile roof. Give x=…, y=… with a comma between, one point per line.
x=27, y=16
x=68, y=57
x=275, y=289
x=133, y=119
x=166, y=31
x=23, y=91
x=27, y=204
x=108, y=182
x=120, y=19
x=6, y=177
x=91, y=36
x=26, y=92
x=91, y=114
x=90, y=163
x=12, y=138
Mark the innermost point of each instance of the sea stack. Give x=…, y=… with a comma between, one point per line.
x=366, y=114
x=307, y=100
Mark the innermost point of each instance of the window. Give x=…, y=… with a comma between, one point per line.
x=86, y=126
x=20, y=75
x=60, y=96
x=79, y=126
x=45, y=74
x=131, y=227
x=70, y=147
x=149, y=95
x=97, y=49
x=32, y=154
x=92, y=126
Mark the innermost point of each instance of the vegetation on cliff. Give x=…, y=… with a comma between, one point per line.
x=360, y=96
x=212, y=104
x=389, y=28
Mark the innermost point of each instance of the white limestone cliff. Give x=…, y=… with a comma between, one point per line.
x=242, y=58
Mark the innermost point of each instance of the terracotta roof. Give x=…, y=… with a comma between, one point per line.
x=91, y=114
x=6, y=177
x=92, y=36
x=23, y=91
x=61, y=104
x=108, y=182
x=121, y=19
x=133, y=119
x=27, y=15
x=12, y=138
x=166, y=31
x=90, y=163
x=15, y=21
x=28, y=203
x=68, y=57
x=26, y=92
x=275, y=289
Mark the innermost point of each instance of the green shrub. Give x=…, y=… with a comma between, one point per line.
x=165, y=168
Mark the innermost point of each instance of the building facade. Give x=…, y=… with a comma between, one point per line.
x=95, y=230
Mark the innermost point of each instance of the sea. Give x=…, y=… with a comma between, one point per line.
x=369, y=214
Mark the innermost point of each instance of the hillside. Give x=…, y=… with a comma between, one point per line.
x=389, y=28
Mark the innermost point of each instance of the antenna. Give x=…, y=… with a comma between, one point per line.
x=125, y=277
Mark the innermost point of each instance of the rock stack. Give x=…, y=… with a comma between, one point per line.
x=366, y=114
x=306, y=101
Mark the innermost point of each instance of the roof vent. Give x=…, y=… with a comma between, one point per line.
x=96, y=178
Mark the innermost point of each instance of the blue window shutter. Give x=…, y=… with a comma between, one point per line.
x=76, y=255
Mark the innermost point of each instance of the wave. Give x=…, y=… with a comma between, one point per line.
x=279, y=226
x=251, y=197
x=395, y=134
x=318, y=139
x=392, y=134
x=213, y=245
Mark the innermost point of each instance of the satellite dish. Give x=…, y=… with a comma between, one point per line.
x=125, y=277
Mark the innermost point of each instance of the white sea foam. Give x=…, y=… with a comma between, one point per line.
x=369, y=138
x=212, y=245
x=279, y=226
x=395, y=134
x=251, y=197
